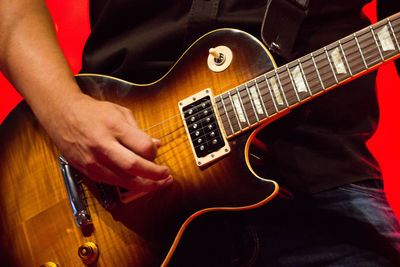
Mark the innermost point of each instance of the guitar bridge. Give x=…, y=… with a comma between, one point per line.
x=75, y=193
x=203, y=128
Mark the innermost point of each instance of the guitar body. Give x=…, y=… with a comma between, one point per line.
x=37, y=224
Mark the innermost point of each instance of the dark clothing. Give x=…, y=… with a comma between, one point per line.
x=319, y=148
x=320, y=145
x=140, y=40
x=352, y=225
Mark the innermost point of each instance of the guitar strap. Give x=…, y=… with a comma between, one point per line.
x=281, y=25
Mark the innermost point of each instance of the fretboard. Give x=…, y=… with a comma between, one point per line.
x=298, y=81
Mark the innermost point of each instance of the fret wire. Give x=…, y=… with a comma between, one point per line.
x=291, y=79
x=362, y=53
x=280, y=85
x=317, y=71
x=363, y=64
x=251, y=101
x=227, y=115
x=320, y=73
x=234, y=110
x=376, y=42
x=351, y=55
x=330, y=64
x=304, y=76
x=302, y=69
x=270, y=92
x=241, y=103
x=310, y=75
x=359, y=48
x=365, y=52
x=394, y=34
x=316, y=68
x=345, y=58
x=261, y=99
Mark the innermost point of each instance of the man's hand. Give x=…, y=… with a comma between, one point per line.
x=103, y=141
x=100, y=139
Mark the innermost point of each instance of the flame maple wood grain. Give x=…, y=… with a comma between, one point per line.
x=36, y=218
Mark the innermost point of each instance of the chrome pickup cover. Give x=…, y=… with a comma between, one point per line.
x=203, y=127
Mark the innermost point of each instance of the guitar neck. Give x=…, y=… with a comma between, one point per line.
x=290, y=85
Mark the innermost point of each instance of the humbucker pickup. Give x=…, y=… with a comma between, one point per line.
x=203, y=127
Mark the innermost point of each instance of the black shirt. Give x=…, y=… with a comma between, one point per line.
x=318, y=146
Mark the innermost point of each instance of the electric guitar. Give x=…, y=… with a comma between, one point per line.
x=206, y=111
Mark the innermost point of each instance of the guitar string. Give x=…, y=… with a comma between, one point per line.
x=177, y=123
x=290, y=93
x=356, y=51
x=349, y=56
x=287, y=80
x=178, y=115
x=371, y=44
x=246, y=101
x=155, y=125
x=173, y=145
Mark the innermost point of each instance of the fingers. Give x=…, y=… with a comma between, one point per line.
x=133, y=137
x=147, y=185
x=114, y=164
x=108, y=146
x=138, y=141
x=131, y=163
x=134, y=154
x=127, y=113
x=103, y=174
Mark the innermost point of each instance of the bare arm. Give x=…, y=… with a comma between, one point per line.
x=99, y=138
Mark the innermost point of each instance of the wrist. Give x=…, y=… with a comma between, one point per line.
x=54, y=104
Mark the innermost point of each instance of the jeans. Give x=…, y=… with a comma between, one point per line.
x=352, y=225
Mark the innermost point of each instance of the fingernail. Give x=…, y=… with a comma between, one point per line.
x=156, y=142
x=167, y=181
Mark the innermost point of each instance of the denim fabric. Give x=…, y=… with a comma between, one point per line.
x=352, y=225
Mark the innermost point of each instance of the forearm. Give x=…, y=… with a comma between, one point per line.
x=30, y=56
x=99, y=138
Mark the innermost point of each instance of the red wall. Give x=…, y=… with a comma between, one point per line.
x=72, y=27
x=385, y=144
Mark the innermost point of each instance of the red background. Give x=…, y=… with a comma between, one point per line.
x=72, y=28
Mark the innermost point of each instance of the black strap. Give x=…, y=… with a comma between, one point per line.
x=281, y=25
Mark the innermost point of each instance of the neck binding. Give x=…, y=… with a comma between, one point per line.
x=288, y=86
